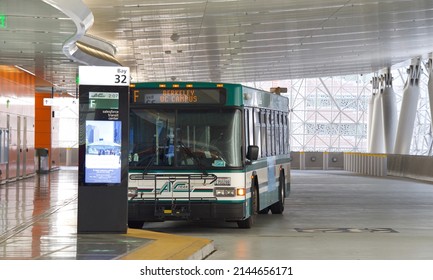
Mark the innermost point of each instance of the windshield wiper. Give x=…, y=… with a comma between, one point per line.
x=193, y=156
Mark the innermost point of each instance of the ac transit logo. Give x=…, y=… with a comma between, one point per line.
x=174, y=187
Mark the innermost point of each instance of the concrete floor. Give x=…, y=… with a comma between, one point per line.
x=338, y=215
x=38, y=221
x=330, y=215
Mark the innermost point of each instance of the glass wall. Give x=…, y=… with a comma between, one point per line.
x=4, y=145
x=331, y=113
x=327, y=114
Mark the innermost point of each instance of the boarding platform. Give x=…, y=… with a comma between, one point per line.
x=38, y=220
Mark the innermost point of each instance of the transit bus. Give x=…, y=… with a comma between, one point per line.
x=206, y=151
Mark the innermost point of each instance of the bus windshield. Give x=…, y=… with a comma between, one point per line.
x=209, y=139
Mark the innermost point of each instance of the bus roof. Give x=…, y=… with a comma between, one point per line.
x=264, y=99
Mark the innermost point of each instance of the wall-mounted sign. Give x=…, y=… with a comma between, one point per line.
x=104, y=76
x=59, y=101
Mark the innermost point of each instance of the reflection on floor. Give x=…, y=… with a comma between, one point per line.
x=38, y=221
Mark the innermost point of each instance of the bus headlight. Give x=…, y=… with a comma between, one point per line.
x=241, y=191
x=132, y=192
x=224, y=192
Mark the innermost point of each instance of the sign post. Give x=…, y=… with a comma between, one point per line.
x=103, y=149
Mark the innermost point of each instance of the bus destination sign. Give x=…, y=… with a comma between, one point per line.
x=179, y=96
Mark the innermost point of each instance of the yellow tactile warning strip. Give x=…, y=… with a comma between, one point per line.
x=168, y=247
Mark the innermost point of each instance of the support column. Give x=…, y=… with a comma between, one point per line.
x=408, y=110
x=325, y=160
x=389, y=112
x=430, y=95
x=375, y=92
x=302, y=160
x=377, y=135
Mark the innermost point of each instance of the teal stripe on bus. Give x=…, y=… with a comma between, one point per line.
x=192, y=201
x=194, y=191
x=185, y=171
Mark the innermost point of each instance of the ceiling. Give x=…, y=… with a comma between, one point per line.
x=214, y=40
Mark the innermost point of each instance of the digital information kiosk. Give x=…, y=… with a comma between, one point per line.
x=103, y=149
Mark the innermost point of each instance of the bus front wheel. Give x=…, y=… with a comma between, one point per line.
x=135, y=224
x=278, y=207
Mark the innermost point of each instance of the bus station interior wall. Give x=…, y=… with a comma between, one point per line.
x=30, y=125
x=313, y=160
x=411, y=166
x=317, y=160
x=17, y=115
x=42, y=122
x=46, y=129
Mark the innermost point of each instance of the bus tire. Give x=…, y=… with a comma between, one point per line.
x=278, y=207
x=248, y=222
x=136, y=224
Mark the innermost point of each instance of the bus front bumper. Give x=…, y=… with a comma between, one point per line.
x=142, y=210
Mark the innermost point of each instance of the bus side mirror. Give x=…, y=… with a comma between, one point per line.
x=253, y=152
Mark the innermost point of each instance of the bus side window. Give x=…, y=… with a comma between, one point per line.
x=249, y=128
x=257, y=130
x=278, y=132
x=286, y=135
x=263, y=134
x=272, y=131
